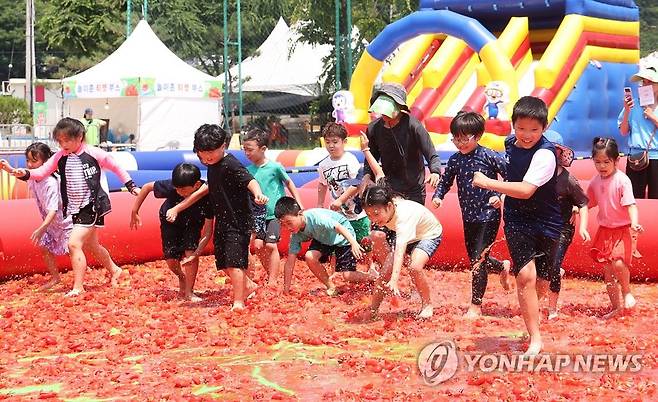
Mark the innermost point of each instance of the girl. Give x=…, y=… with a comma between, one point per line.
x=615, y=242
x=53, y=233
x=83, y=198
x=418, y=234
x=572, y=201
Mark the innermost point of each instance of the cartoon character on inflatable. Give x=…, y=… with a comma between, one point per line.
x=497, y=94
x=343, y=103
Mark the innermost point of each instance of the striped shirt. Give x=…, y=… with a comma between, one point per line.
x=77, y=189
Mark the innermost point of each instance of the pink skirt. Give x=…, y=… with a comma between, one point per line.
x=612, y=244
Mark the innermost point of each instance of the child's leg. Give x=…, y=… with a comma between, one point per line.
x=238, y=281
x=191, y=269
x=623, y=275
x=556, y=277
x=612, y=288
x=312, y=258
x=270, y=258
x=174, y=266
x=526, y=282
x=380, y=288
x=79, y=236
x=418, y=260
x=103, y=256
x=474, y=239
x=51, y=264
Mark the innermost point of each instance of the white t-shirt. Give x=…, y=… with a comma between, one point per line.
x=335, y=174
x=542, y=168
x=412, y=222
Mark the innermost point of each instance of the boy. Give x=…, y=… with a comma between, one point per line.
x=338, y=173
x=532, y=212
x=480, y=208
x=271, y=176
x=229, y=185
x=329, y=232
x=181, y=237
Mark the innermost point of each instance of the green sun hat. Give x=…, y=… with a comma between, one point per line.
x=385, y=105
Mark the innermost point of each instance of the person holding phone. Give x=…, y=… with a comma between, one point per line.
x=640, y=123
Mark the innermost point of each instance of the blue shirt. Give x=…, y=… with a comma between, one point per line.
x=540, y=214
x=321, y=226
x=640, y=130
x=474, y=201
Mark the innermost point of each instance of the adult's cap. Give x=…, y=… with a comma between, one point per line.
x=395, y=91
x=89, y=111
x=648, y=71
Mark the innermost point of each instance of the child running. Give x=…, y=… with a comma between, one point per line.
x=531, y=213
x=573, y=201
x=418, y=235
x=273, y=179
x=615, y=242
x=182, y=240
x=231, y=187
x=53, y=234
x=480, y=207
x=83, y=197
x=330, y=233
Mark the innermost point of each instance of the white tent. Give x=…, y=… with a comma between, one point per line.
x=284, y=64
x=143, y=88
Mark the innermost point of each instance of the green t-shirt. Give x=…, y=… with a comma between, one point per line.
x=271, y=178
x=93, y=129
x=321, y=226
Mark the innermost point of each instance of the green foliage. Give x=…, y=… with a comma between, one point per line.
x=14, y=111
x=648, y=26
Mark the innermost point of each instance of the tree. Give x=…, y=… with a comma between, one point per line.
x=14, y=111
x=648, y=26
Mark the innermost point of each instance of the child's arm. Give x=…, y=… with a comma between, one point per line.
x=4, y=165
x=51, y=200
x=294, y=192
x=206, y=234
x=173, y=212
x=584, y=220
x=349, y=192
x=444, y=184
x=41, y=172
x=135, y=220
x=356, y=247
x=371, y=161
x=106, y=161
x=519, y=189
x=38, y=232
x=287, y=271
x=322, y=194
x=634, y=214
x=259, y=197
x=398, y=260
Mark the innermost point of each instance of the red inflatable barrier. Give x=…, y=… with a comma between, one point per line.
x=20, y=217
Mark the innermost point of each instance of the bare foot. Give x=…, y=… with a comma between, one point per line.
x=534, y=348
x=116, y=274
x=372, y=271
x=52, y=282
x=505, y=276
x=629, y=301
x=251, y=290
x=194, y=298
x=237, y=306
x=426, y=312
x=332, y=291
x=552, y=315
x=473, y=312
x=74, y=293
x=611, y=314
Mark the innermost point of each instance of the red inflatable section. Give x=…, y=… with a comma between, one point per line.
x=128, y=246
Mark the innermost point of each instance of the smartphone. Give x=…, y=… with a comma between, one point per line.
x=627, y=93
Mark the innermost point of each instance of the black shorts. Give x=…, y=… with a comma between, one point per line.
x=345, y=260
x=525, y=247
x=231, y=249
x=87, y=217
x=178, y=239
x=272, y=232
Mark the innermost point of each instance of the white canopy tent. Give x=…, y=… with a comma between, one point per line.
x=283, y=64
x=145, y=89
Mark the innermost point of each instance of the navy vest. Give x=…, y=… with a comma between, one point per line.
x=540, y=213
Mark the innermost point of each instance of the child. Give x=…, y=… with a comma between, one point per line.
x=480, y=207
x=532, y=213
x=182, y=238
x=615, y=242
x=229, y=185
x=418, y=234
x=82, y=195
x=330, y=233
x=271, y=176
x=54, y=232
x=571, y=198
